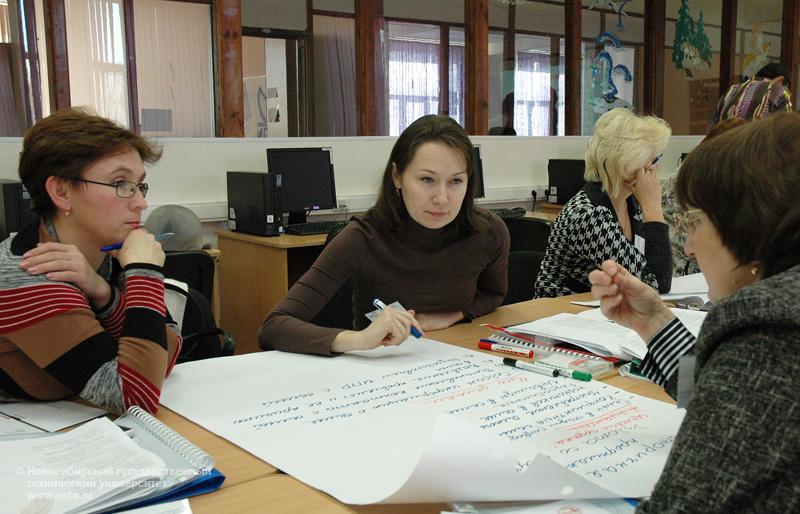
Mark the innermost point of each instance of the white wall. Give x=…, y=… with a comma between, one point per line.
x=192, y=171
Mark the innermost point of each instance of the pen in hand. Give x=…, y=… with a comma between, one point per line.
x=380, y=305
x=118, y=245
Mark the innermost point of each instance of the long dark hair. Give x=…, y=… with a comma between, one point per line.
x=747, y=181
x=389, y=210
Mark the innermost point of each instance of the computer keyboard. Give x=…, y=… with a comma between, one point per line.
x=314, y=227
x=516, y=212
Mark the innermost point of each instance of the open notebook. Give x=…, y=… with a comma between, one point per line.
x=593, y=332
x=97, y=467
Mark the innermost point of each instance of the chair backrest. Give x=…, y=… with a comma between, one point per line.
x=202, y=339
x=194, y=267
x=339, y=311
x=528, y=233
x=523, y=268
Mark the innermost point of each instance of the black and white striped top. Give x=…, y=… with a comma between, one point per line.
x=587, y=232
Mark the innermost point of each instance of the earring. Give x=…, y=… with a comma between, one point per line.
x=755, y=270
x=397, y=192
x=67, y=211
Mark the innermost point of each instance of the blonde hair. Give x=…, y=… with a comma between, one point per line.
x=623, y=142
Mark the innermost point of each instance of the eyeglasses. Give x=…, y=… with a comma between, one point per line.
x=685, y=220
x=124, y=188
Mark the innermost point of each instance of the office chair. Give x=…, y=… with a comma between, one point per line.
x=194, y=267
x=523, y=268
x=528, y=233
x=338, y=313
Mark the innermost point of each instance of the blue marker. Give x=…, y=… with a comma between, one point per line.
x=380, y=305
x=117, y=246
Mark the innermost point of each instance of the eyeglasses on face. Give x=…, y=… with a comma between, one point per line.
x=685, y=220
x=125, y=189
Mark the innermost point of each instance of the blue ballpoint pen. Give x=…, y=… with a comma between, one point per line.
x=380, y=305
x=118, y=245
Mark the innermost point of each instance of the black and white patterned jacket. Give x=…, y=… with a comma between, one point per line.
x=586, y=232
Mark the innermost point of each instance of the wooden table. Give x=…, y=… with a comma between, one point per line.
x=255, y=273
x=544, y=211
x=254, y=486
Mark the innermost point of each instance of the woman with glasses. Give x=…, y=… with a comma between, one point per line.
x=74, y=319
x=617, y=215
x=738, y=447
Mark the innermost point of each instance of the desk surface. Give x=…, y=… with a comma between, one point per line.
x=281, y=241
x=254, y=486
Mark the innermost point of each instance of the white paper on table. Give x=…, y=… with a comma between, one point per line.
x=11, y=426
x=51, y=416
x=694, y=284
x=600, y=506
x=691, y=319
x=421, y=422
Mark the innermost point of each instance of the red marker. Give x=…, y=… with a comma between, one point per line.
x=502, y=348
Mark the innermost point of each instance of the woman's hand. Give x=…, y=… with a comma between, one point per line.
x=65, y=263
x=439, y=320
x=628, y=301
x=140, y=246
x=390, y=328
x=647, y=189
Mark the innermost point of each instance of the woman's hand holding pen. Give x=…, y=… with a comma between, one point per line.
x=65, y=263
x=628, y=301
x=390, y=328
x=140, y=246
x=646, y=188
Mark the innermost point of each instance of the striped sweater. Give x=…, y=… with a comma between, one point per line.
x=55, y=344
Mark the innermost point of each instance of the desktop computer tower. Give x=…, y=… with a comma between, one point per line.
x=565, y=179
x=254, y=203
x=15, y=210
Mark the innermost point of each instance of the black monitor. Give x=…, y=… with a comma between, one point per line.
x=307, y=180
x=477, y=191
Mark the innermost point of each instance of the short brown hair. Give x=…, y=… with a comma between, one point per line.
x=747, y=181
x=390, y=210
x=68, y=142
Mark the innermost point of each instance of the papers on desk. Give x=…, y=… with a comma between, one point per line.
x=51, y=416
x=682, y=287
x=12, y=427
x=610, y=506
x=97, y=467
x=428, y=422
x=592, y=331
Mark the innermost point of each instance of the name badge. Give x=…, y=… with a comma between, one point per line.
x=638, y=242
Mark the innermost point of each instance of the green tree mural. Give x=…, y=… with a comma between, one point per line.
x=701, y=41
x=684, y=32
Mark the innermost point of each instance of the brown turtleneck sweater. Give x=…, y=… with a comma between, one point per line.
x=424, y=269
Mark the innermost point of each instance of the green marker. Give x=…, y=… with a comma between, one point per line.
x=573, y=373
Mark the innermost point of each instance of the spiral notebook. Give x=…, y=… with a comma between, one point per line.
x=191, y=471
x=97, y=467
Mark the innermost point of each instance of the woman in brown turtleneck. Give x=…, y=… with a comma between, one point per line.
x=424, y=244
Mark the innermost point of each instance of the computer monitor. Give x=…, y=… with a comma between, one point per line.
x=477, y=191
x=307, y=180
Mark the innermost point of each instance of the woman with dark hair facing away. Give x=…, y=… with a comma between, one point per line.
x=423, y=244
x=74, y=319
x=738, y=447
x=618, y=214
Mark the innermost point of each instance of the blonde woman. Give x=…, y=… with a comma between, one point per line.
x=618, y=214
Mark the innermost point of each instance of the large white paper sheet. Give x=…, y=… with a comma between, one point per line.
x=689, y=284
x=427, y=422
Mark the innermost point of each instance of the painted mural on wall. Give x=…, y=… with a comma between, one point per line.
x=691, y=49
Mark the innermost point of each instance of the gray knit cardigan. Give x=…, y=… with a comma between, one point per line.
x=738, y=449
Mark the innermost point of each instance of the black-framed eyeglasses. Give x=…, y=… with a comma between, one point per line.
x=125, y=189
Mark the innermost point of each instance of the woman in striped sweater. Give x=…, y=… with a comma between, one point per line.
x=74, y=319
